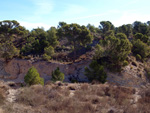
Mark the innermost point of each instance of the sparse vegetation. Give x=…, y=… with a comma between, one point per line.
x=2, y=94
x=76, y=98
x=84, y=98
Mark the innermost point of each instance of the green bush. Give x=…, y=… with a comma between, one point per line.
x=95, y=72
x=32, y=77
x=140, y=48
x=46, y=57
x=8, y=50
x=49, y=51
x=57, y=75
x=26, y=49
x=138, y=57
x=142, y=37
x=125, y=63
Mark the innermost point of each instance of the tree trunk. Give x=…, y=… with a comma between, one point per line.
x=74, y=53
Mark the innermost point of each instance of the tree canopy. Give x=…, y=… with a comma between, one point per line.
x=126, y=29
x=107, y=28
x=140, y=48
x=73, y=40
x=10, y=30
x=113, y=50
x=76, y=35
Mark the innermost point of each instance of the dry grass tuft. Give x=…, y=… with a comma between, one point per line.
x=3, y=91
x=29, y=97
x=2, y=96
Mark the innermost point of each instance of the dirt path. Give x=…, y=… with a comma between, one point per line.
x=71, y=93
x=1, y=111
x=137, y=96
x=11, y=97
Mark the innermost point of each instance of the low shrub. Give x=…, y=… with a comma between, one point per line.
x=138, y=57
x=125, y=63
x=29, y=97
x=46, y=57
x=2, y=98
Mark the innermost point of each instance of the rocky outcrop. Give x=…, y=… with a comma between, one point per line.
x=16, y=69
x=131, y=76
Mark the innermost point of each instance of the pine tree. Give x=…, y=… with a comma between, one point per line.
x=57, y=75
x=95, y=72
x=32, y=77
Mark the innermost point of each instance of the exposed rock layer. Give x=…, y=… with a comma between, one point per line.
x=16, y=69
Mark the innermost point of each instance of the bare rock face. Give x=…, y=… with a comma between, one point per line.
x=131, y=76
x=17, y=69
x=46, y=68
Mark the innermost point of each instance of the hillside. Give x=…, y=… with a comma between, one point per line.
x=105, y=69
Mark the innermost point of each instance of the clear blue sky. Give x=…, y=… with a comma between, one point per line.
x=47, y=13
